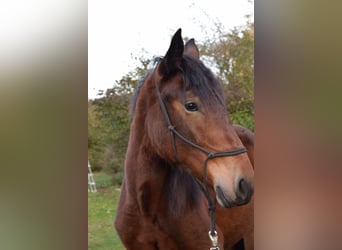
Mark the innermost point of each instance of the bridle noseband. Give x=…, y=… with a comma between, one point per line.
x=210, y=155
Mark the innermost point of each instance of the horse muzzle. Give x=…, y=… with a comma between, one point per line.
x=242, y=194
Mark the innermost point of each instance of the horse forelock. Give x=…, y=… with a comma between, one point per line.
x=202, y=82
x=197, y=77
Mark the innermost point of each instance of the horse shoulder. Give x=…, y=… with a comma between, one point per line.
x=237, y=223
x=126, y=220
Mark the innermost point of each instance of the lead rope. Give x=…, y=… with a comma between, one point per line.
x=213, y=236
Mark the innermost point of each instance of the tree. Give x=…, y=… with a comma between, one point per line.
x=109, y=122
x=231, y=56
x=95, y=139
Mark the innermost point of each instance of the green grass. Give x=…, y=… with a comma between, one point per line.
x=101, y=212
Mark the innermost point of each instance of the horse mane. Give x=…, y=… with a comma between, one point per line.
x=182, y=191
x=155, y=61
x=136, y=94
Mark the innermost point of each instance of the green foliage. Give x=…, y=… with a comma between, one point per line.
x=95, y=139
x=109, y=123
x=102, y=180
x=244, y=118
x=230, y=56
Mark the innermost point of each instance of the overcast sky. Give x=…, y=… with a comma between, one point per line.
x=118, y=31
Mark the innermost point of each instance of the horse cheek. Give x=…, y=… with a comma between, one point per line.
x=155, y=134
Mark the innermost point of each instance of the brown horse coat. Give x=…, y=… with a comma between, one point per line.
x=161, y=205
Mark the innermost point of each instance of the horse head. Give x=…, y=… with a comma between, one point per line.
x=189, y=121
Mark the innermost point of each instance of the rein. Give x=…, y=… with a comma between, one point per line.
x=210, y=155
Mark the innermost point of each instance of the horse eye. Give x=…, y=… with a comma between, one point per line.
x=191, y=106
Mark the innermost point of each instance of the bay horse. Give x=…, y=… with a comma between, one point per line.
x=184, y=159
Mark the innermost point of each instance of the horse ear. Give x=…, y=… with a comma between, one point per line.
x=191, y=49
x=173, y=58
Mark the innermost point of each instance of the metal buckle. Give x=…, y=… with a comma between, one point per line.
x=214, y=240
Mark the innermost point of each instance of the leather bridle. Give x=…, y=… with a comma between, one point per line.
x=210, y=155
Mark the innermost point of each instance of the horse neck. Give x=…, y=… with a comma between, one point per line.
x=142, y=163
x=147, y=174
x=157, y=186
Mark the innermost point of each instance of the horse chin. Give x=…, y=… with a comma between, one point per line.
x=227, y=202
x=222, y=199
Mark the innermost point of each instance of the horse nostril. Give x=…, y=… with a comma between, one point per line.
x=244, y=190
